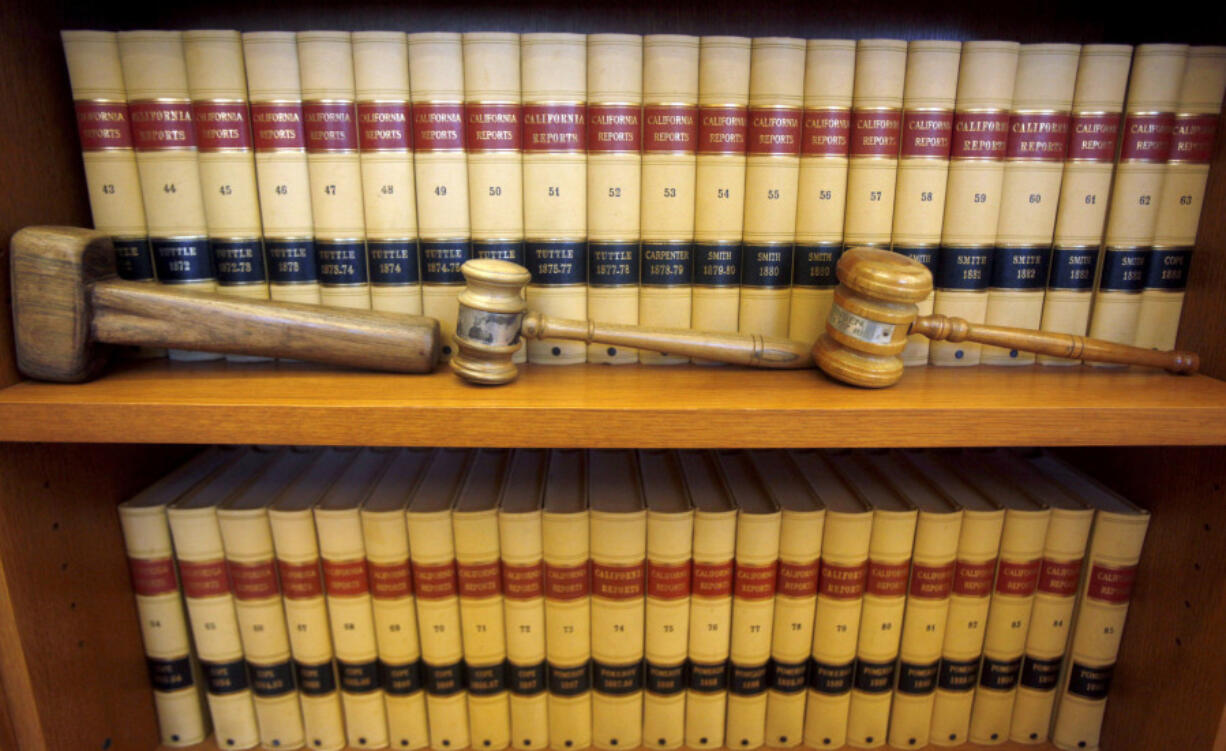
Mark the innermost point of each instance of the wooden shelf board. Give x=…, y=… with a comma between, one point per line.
x=211, y=745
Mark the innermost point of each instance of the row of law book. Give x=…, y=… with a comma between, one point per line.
x=569, y=599
x=662, y=180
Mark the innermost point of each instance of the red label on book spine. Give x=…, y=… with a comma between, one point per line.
x=875, y=133
x=480, y=579
x=207, y=579
x=974, y=579
x=435, y=581
x=345, y=578
x=300, y=581
x=438, y=126
x=932, y=582
x=523, y=582
x=798, y=579
x=330, y=127
x=1038, y=136
x=1059, y=577
x=843, y=582
x=774, y=131
x=668, y=581
x=1192, y=138
x=1018, y=578
x=277, y=125
x=389, y=581
x=712, y=579
x=162, y=126
x=1111, y=584
x=1093, y=135
x=614, y=128
x=384, y=126
x=826, y=132
x=221, y=125
x=1147, y=138
x=492, y=127
x=980, y=135
x=755, y=582
x=926, y=133
x=723, y=130
x=103, y=125
x=253, y=581
x=568, y=582
x=555, y=127
x=618, y=582
x=887, y=579
x=152, y=577
x=670, y=128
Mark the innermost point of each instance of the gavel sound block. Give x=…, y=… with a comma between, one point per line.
x=68, y=306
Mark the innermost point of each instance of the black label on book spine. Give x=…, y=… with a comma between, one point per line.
x=708, y=677
x=612, y=264
x=315, y=680
x=667, y=264
x=1072, y=269
x=958, y=675
x=1123, y=270
x=1041, y=675
x=444, y=680
x=925, y=254
x=557, y=263
x=874, y=677
x=502, y=250
x=768, y=266
x=618, y=680
x=400, y=680
x=1090, y=682
x=441, y=261
x=570, y=681
x=814, y=265
x=238, y=261
x=1021, y=268
x=717, y=264
x=665, y=679
x=487, y=680
x=964, y=269
x=916, y=678
x=133, y=258
x=169, y=675
x=341, y=263
x=358, y=677
x=1000, y=674
x=527, y=680
x=830, y=679
x=748, y=680
x=1168, y=269
x=271, y=680
x=182, y=260
x=225, y=677
x=789, y=677
x=291, y=261
x=393, y=263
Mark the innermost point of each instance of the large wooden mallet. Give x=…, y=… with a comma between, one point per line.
x=68, y=307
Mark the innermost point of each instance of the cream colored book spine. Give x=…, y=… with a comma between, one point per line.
x=614, y=172
x=385, y=145
x=986, y=76
x=881, y=66
x=923, y=163
x=1136, y=193
x=440, y=164
x=821, y=200
x=104, y=126
x=670, y=140
x=1183, y=197
x=554, y=68
x=1030, y=189
x=283, y=179
x=719, y=181
x=1085, y=189
x=772, y=177
x=325, y=62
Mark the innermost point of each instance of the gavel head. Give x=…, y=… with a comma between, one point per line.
x=489, y=320
x=874, y=307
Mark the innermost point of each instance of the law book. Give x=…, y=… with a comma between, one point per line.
x=251, y=566
x=210, y=599
x=1106, y=588
x=670, y=142
x=800, y=545
x=1136, y=191
x=338, y=522
x=164, y=139
x=965, y=623
x=880, y=77
x=614, y=182
x=1037, y=147
x=325, y=62
x=554, y=70
x=385, y=153
x=753, y=599
x=840, y=595
x=1085, y=189
x=772, y=176
x=386, y=540
x=523, y=591
x=436, y=585
x=1183, y=196
x=821, y=195
x=302, y=588
x=986, y=74
x=931, y=580
x=890, y=548
x=1017, y=578
x=274, y=87
x=174, y=673
x=104, y=127
x=719, y=181
x=926, y=133
x=714, y=551
x=440, y=164
x=666, y=629
x=566, y=551
x=474, y=524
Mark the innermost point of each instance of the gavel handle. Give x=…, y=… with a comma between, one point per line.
x=939, y=327
x=152, y=315
x=733, y=348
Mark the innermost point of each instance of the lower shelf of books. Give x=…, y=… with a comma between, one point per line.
x=211, y=745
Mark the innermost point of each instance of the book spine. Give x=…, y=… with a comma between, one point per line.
x=719, y=181
x=670, y=135
x=568, y=649
x=986, y=76
x=753, y=615
x=352, y=621
x=159, y=605
x=667, y=628
x=1030, y=188
x=483, y=626
x=1085, y=189
x=436, y=585
x=523, y=591
x=436, y=70
x=923, y=165
x=215, y=632
x=555, y=185
x=310, y=637
x=710, y=629
x=821, y=199
x=385, y=145
x=1136, y=193
x=772, y=175
x=104, y=126
x=876, y=122
x=614, y=170
x=325, y=61
x=1183, y=197
x=282, y=176
x=619, y=561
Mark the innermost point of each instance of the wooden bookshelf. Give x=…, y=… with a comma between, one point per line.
x=211, y=745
